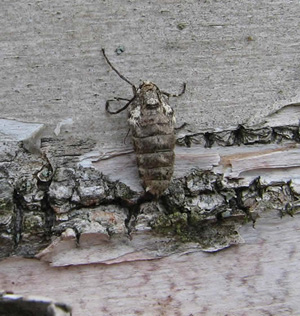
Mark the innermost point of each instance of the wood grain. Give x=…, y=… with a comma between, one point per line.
x=255, y=278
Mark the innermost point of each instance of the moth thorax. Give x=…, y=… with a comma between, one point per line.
x=151, y=100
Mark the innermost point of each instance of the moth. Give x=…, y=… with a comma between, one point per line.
x=152, y=123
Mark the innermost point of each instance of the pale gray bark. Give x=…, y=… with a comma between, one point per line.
x=240, y=60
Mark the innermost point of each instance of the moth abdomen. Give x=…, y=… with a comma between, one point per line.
x=153, y=144
x=156, y=180
x=158, y=173
x=151, y=130
x=156, y=165
x=158, y=159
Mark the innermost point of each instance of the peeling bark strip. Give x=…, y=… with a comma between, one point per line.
x=65, y=211
x=279, y=127
x=152, y=120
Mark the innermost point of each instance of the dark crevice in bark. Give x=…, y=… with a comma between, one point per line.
x=18, y=218
x=242, y=135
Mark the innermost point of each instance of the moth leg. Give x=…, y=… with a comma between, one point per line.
x=107, y=103
x=181, y=126
x=126, y=136
x=175, y=95
x=121, y=99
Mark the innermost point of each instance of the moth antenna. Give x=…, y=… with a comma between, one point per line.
x=117, y=72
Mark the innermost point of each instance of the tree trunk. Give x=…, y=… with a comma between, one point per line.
x=71, y=198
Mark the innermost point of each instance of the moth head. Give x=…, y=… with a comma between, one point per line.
x=150, y=95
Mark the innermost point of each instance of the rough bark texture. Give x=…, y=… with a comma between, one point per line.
x=70, y=194
x=14, y=305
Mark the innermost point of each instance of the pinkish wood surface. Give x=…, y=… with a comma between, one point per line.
x=260, y=277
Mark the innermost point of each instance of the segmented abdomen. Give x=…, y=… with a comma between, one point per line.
x=154, y=141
